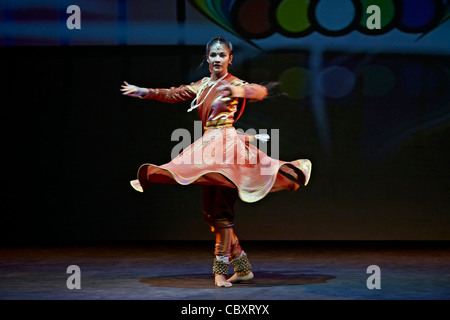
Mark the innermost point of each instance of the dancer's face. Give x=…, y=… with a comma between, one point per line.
x=219, y=58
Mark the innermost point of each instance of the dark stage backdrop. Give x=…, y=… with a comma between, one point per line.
x=374, y=120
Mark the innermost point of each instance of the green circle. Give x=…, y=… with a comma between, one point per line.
x=387, y=11
x=292, y=15
x=295, y=82
x=378, y=80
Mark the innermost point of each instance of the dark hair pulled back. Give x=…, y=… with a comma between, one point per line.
x=220, y=40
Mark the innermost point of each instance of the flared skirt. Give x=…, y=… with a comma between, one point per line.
x=222, y=156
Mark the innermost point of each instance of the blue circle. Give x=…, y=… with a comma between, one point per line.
x=419, y=15
x=336, y=82
x=335, y=15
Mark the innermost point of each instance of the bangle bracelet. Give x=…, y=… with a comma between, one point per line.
x=145, y=96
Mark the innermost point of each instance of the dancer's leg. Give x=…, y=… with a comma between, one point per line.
x=236, y=249
x=222, y=253
x=218, y=209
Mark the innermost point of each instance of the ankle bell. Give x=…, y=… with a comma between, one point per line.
x=241, y=265
x=220, y=267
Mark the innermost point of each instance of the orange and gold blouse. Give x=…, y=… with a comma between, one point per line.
x=214, y=109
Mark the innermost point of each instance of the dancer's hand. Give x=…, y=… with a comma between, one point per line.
x=225, y=88
x=133, y=91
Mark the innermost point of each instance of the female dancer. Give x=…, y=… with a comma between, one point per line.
x=222, y=161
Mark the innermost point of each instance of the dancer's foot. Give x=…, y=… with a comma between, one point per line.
x=237, y=278
x=220, y=281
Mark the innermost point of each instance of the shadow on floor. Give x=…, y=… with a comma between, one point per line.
x=262, y=279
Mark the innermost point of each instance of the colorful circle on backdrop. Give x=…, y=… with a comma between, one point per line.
x=356, y=76
x=296, y=82
x=388, y=16
x=226, y=7
x=417, y=16
x=418, y=80
x=291, y=18
x=425, y=79
x=377, y=80
x=258, y=19
x=336, y=82
x=334, y=18
x=251, y=18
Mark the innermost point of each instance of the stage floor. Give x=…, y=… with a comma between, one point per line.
x=182, y=271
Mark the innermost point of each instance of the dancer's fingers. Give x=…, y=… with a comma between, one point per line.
x=131, y=91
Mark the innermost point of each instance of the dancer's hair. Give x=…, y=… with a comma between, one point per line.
x=220, y=40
